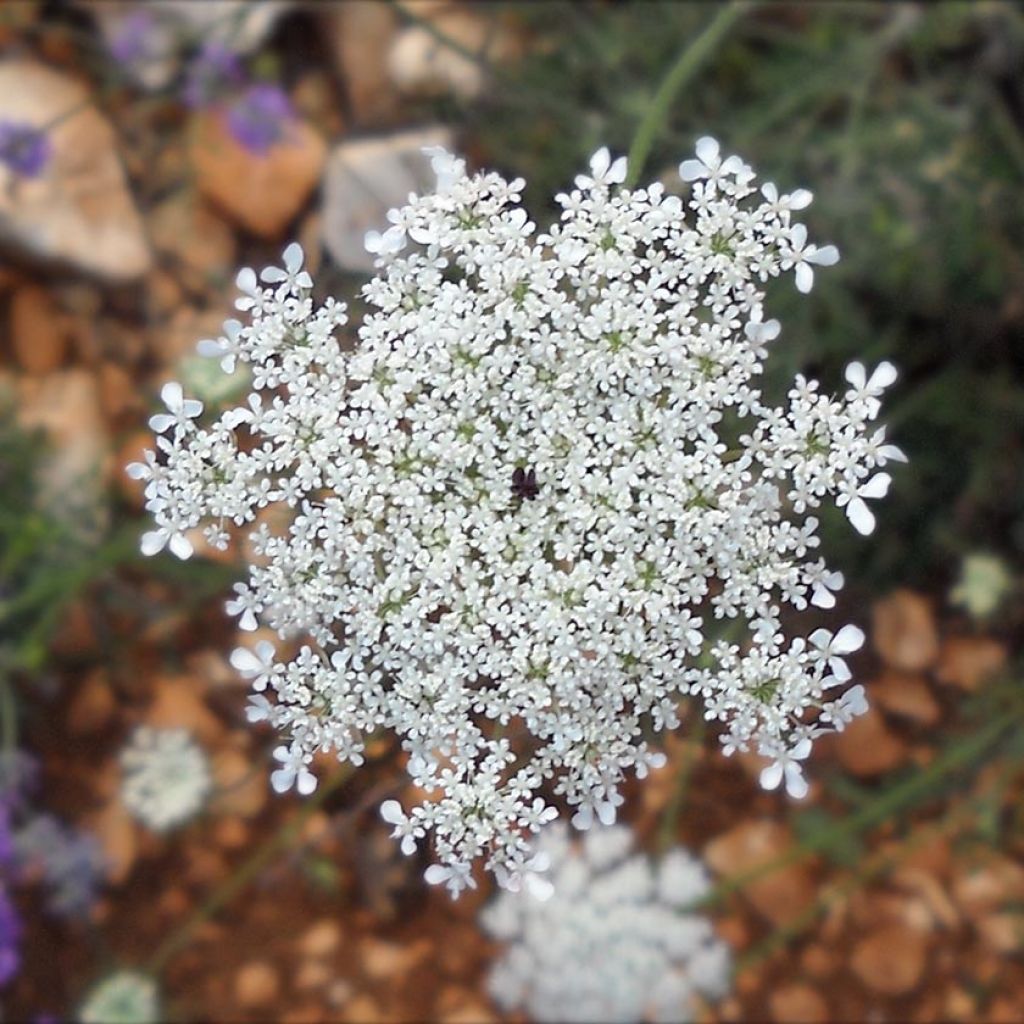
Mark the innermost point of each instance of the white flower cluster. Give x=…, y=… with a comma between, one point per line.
x=504, y=524
x=165, y=777
x=125, y=997
x=614, y=942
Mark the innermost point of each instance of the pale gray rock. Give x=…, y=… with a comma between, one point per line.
x=161, y=31
x=367, y=177
x=66, y=407
x=79, y=210
x=451, y=52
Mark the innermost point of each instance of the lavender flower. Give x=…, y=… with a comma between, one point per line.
x=18, y=775
x=6, y=838
x=213, y=71
x=69, y=863
x=25, y=149
x=39, y=847
x=259, y=117
x=146, y=42
x=132, y=40
x=166, y=777
x=10, y=923
x=10, y=934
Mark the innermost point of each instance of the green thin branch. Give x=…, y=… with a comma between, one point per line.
x=959, y=756
x=876, y=866
x=685, y=68
x=8, y=715
x=247, y=871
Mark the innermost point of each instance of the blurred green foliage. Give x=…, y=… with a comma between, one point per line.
x=47, y=555
x=32, y=560
x=906, y=120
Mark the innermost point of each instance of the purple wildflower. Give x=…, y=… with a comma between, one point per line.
x=130, y=41
x=19, y=774
x=213, y=71
x=38, y=847
x=68, y=862
x=259, y=117
x=26, y=150
x=7, y=852
x=10, y=934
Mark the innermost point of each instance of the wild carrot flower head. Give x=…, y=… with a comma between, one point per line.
x=508, y=523
x=616, y=940
x=166, y=777
x=124, y=997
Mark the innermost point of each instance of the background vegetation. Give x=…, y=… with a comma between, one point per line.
x=907, y=120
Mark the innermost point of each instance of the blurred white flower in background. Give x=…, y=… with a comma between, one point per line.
x=983, y=586
x=126, y=997
x=165, y=777
x=614, y=941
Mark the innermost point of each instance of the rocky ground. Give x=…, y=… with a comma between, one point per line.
x=114, y=266
x=922, y=922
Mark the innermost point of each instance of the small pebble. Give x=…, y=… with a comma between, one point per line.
x=257, y=984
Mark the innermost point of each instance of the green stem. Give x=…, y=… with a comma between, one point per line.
x=889, y=803
x=875, y=867
x=247, y=871
x=8, y=715
x=1002, y=121
x=66, y=115
x=685, y=67
x=875, y=49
